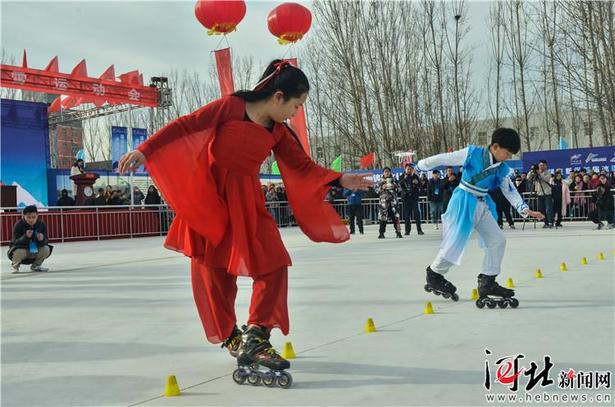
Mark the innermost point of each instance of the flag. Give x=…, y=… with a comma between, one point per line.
x=563, y=145
x=408, y=159
x=130, y=78
x=225, y=71
x=274, y=168
x=298, y=122
x=368, y=160
x=336, y=165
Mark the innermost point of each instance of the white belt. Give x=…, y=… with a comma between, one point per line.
x=476, y=191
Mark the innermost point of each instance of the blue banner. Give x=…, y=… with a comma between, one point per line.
x=25, y=150
x=592, y=158
x=138, y=137
x=119, y=145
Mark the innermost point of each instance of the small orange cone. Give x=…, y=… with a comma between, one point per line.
x=369, y=326
x=171, y=389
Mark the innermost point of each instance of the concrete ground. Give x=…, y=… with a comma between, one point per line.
x=113, y=318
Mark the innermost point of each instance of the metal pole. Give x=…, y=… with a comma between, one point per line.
x=130, y=149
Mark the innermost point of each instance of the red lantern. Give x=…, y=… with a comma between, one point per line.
x=289, y=22
x=220, y=16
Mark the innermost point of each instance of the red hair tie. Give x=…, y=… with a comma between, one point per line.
x=278, y=68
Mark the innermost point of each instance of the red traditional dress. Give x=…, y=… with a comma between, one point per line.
x=206, y=165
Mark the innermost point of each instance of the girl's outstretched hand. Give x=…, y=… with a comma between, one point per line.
x=356, y=181
x=131, y=161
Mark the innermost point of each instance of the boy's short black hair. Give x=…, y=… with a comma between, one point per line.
x=386, y=168
x=30, y=209
x=507, y=138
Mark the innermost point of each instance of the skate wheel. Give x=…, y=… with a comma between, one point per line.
x=503, y=304
x=491, y=304
x=446, y=295
x=455, y=297
x=254, y=379
x=480, y=303
x=514, y=303
x=427, y=288
x=238, y=377
x=285, y=380
x=269, y=379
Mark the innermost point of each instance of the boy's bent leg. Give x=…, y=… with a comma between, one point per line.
x=214, y=294
x=495, y=243
x=269, y=306
x=18, y=256
x=43, y=253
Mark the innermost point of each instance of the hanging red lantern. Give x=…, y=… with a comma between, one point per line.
x=289, y=22
x=220, y=16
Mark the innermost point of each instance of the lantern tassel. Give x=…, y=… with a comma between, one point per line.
x=289, y=38
x=222, y=28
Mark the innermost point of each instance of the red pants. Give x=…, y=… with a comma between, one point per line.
x=215, y=291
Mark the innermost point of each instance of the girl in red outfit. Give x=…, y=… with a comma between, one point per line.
x=206, y=164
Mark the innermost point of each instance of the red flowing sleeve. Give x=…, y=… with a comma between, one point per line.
x=306, y=185
x=177, y=158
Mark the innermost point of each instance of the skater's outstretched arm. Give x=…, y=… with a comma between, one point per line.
x=454, y=159
x=510, y=192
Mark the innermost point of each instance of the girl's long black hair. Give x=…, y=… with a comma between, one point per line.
x=281, y=76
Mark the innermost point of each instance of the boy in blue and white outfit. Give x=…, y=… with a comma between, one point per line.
x=471, y=208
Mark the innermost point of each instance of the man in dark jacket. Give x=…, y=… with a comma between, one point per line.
x=451, y=181
x=29, y=244
x=434, y=196
x=603, y=198
x=409, y=184
x=355, y=209
x=65, y=200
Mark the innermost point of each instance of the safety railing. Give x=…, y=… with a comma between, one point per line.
x=108, y=222
x=71, y=223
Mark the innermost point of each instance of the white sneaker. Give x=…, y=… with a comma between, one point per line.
x=15, y=270
x=610, y=226
x=39, y=269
